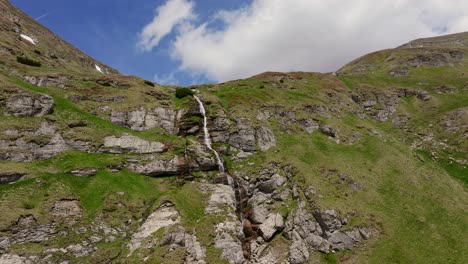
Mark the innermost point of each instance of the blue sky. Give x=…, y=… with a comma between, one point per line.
x=108, y=31
x=220, y=40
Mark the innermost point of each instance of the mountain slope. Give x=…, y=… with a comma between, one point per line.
x=363, y=167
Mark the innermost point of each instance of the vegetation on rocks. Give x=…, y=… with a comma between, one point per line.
x=28, y=61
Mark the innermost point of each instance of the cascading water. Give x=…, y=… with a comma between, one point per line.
x=207, y=136
x=239, y=191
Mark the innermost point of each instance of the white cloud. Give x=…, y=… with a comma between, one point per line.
x=167, y=16
x=307, y=35
x=167, y=79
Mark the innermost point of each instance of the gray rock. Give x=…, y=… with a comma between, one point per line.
x=158, y=167
x=402, y=71
x=328, y=131
x=32, y=233
x=142, y=119
x=55, y=146
x=424, y=96
x=298, y=252
x=196, y=254
x=274, y=223
x=14, y=259
x=228, y=239
x=222, y=197
x=84, y=172
x=266, y=138
x=309, y=125
x=244, y=138
x=328, y=219
x=29, y=105
x=271, y=185
x=340, y=241
x=9, y=177
x=67, y=208
x=131, y=144
x=78, y=250
x=4, y=244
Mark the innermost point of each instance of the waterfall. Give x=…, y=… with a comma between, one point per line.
x=207, y=135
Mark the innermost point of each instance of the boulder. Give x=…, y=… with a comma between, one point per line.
x=67, y=208
x=424, y=96
x=272, y=184
x=328, y=220
x=273, y=224
x=309, y=125
x=29, y=105
x=328, y=131
x=340, y=241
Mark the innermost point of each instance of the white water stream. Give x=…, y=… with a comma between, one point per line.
x=207, y=135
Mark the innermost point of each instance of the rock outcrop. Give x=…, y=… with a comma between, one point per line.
x=166, y=215
x=142, y=119
x=130, y=144
x=29, y=105
x=9, y=177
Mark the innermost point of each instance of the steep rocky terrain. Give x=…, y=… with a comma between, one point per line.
x=367, y=165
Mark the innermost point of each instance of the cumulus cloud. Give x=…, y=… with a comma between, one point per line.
x=166, y=79
x=307, y=35
x=167, y=16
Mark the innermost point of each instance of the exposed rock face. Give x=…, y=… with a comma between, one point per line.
x=424, y=96
x=42, y=143
x=380, y=106
x=9, y=177
x=220, y=195
x=431, y=59
x=29, y=105
x=195, y=252
x=229, y=233
x=152, y=166
x=273, y=223
x=49, y=81
x=266, y=138
x=196, y=158
x=67, y=208
x=142, y=119
x=401, y=71
x=84, y=172
x=166, y=215
x=244, y=138
x=328, y=131
x=220, y=128
x=14, y=259
x=309, y=125
x=131, y=144
x=320, y=231
x=228, y=238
